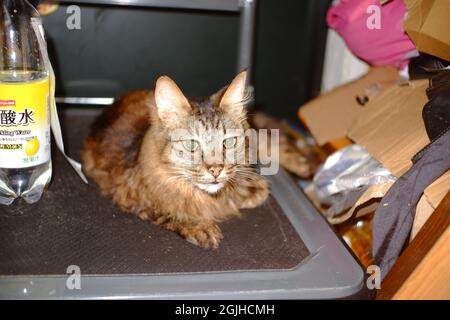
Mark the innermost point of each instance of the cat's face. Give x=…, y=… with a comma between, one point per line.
x=208, y=150
x=206, y=138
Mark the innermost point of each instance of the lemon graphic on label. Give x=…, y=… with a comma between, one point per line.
x=32, y=147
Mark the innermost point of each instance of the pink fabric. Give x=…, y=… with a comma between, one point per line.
x=389, y=45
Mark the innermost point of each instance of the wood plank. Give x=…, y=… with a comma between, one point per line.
x=431, y=279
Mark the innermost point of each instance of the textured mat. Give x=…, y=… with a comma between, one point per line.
x=74, y=225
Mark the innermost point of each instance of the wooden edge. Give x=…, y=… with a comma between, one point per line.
x=425, y=239
x=431, y=279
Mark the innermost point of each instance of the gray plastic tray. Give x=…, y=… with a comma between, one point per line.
x=329, y=272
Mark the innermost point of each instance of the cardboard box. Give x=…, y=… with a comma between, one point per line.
x=392, y=130
x=389, y=126
x=428, y=25
x=328, y=117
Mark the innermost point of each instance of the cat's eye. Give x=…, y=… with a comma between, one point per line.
x=190, y=145
x=229, y=142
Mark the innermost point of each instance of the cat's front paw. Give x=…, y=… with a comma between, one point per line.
x=205, y=235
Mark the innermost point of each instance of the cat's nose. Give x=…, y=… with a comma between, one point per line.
x=215, y=170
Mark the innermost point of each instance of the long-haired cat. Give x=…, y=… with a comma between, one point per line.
x=161, y=156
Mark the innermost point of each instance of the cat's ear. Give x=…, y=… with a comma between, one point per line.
x=170, y=101
x=235, y=95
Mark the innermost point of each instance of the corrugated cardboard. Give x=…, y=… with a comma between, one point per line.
x=437, y=191
x=423, y=211
x=389, y=126
x=366, y=204
x=329, y=116
x=428, y=25
x=391, y=129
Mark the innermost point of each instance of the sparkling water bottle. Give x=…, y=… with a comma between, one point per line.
x=25, y=158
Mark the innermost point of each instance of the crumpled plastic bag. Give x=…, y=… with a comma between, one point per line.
x=346, y=175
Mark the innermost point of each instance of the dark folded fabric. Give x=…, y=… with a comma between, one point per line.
x=436, y=113
x=395, y=214
x=439, y=84
x=426, y=66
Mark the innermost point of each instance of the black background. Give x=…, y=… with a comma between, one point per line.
x=123, y=48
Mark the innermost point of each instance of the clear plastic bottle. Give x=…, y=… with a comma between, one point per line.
x=25, y=157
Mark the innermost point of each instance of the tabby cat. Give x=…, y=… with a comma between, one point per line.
x=160, y=156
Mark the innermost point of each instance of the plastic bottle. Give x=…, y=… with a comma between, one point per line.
x=25, y=157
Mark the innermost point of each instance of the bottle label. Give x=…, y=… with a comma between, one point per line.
x=24, y=124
